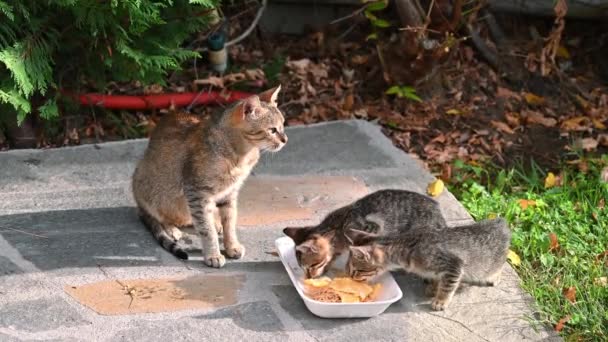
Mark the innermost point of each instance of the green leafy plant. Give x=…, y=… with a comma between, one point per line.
x=560, y=233
x=53, y=45
x=377, y=23
x=404, y=92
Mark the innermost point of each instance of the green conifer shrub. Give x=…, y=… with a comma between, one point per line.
x=52, y=45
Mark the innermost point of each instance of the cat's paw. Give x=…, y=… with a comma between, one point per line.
x=236, y=251
x=439, y=304
x=216, y=261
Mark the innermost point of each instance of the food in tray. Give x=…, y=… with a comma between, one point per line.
x=341, y=290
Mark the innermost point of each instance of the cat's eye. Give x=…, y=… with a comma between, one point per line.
x=273, y=130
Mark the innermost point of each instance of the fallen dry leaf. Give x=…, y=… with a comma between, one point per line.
x=601, y=281
x=587, y=144
x=563, y=52
x=550, y=180
x=533, y=99
x=446, y=172
x=570, y=294
x=453, y=112
x=553, y=243
x=513, y=258
x=562, y=322
x=359, y=59
x=507, y=93
x=532, y=116
x=579, y=123
x=602, y=256
x=582, y=102
x=300, y=66
x=525, y=203
x=598, y=124
x=512, y=119
x=212, y=81
x=601, y=204
x=501, y=126
x=349, y=101
x=273, y=253
x=435, y=188
x=604, y=174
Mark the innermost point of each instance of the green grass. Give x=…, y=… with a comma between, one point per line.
x=574, y=212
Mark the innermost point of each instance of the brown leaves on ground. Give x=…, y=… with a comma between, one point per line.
x=570, y=294
x=469, y=111
x=553, y=243
x=602, y=257
x=562, y=322
x=525, y=203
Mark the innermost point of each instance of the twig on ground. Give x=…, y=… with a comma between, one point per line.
x=459, y=323
x=24, y=232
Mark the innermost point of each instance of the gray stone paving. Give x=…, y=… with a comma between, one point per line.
x=66, y=212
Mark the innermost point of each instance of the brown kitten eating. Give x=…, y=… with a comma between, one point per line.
x=472, y=254
x=193, y=169
x=381, y=212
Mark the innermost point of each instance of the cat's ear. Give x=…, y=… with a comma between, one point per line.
x=360, y=252
x=247, y=108
x=270, y=95
x=307, y=247
x=298, y=234
x=329, y=234
x=358, y=237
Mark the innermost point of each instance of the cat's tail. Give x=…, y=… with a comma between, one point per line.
x=159, y=232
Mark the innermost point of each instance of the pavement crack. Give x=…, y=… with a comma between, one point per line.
x=130, y=290
x=461, y=324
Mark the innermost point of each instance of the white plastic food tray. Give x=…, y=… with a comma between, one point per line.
x=389, y=294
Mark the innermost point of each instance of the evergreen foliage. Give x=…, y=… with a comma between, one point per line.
x=48, y=45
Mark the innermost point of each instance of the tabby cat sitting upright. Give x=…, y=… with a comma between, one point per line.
x=381, y=212
x=192, y=171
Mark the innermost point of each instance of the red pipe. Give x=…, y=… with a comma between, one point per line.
x=141, y=102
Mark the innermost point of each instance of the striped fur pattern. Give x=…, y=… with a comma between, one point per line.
x=381, y=212
x=193, y=169
x=471, y=254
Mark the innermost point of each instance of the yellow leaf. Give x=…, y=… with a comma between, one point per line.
x=598, y=124
x=550, y=180
x=491, y=216
x=435, y=188
x=524, y=203
x=513, y=258
x=534, y=99
x=584, y=103
x=601, y=281
x=578, y=123
x=563, y=52
x=453, y=112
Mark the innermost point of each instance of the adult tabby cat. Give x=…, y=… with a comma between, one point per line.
x=381, y=212
x=192, y=171
x=472, y=254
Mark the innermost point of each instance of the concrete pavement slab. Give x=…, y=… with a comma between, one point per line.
x=67, y=217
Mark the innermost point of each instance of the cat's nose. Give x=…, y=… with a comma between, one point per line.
x=283, y=138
